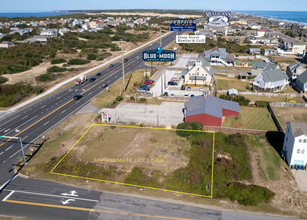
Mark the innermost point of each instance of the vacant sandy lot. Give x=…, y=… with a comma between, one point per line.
x=288, y=114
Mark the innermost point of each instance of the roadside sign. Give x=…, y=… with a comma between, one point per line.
x=196, y=39
x=218, y=18
x=183, y=24
x=159, y=55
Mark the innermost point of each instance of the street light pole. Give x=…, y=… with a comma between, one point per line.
x=160, y=39
x=123, y=64
x=22, y=151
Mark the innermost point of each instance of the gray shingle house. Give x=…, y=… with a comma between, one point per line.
x=301, y=82
x=254, y=51
x=271, y=80
x=294, y=70
x=260, y=66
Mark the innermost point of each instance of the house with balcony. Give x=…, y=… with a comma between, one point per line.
x=49, y=32
x=269, y=52
x=271, y=80
x=291, y=46
x=199, y=72
x=260, y=66
x=219, y=57
x=301, y=82
x=295, y=144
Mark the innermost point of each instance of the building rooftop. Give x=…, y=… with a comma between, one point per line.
x=298, y=128
x=274, y=75
x=302, y=78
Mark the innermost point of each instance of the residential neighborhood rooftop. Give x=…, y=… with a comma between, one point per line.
x=298, y=128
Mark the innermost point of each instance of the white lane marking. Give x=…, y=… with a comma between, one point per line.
x=51, y=106
x=30, y=108
x=109, y=81
x=9, y=147
x=25, y=122
x=42, y=112
x=7, y=130
x=43, y=106
x=7, y=182
x=46, y=123
x=71, y=193
x=68, y=201
x=2, y=129
x=8, y=196
x=1, y=153
x=76, y=90
x=99, y=87
x=25, y=137
x=77, y=101
x=42, y=194
x=63, y=111
x=89, y=93
x=10, y=120
x=59, y=97
x=3, y=161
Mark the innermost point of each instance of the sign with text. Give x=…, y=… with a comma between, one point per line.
x=192, y=39
x=218, y=18
x=159, y=55
x=183, y=24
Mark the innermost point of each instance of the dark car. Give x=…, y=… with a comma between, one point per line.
x=165, y=94
x=104, y=85
x=76, y=97
x=98, y=74
x=182, y=87
x=112, y=65
x=172, y=83
x=125, y=60
x=92, y=79
x=145, y=87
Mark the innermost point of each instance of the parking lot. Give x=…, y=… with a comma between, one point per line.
x=167, y=113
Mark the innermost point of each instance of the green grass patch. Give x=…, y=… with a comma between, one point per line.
x=221, y=84
x=78, y=62
x=252, y=118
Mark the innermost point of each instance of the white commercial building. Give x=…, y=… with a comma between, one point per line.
x=295, y=143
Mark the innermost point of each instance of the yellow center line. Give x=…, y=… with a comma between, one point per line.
x=94, y=210
x=57, y=109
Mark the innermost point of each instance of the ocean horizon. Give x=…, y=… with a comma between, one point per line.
x=286, y=16
x=34, y=14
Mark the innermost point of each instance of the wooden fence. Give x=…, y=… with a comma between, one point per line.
x=275, y=119
x=234, y=130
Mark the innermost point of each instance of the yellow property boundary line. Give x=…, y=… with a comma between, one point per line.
x=126, y=184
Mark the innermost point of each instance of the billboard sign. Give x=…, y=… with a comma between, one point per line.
x=159, y=55
x=218, y=18
x=183, y=24
x=196, y=39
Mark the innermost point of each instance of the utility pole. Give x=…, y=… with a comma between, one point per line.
x=123, y=64
x=22, y=151
x=120, y=88
x=160, y=39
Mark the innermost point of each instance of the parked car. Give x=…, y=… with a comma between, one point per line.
x=92, y=79
x=111, y=65
x=201, y=89
x=104, y=85
x=165, y=94
x=192, y=95
x=172, y=83
x=98, y=74
x=189, y=88
x=77, y=97
x=141, y=90
x=182, y=87
x=125, y=60
x=148, y=82
x=145, y=87
x=172, y=94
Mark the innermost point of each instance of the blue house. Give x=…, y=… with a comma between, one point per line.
x=219, y=57
x=301, y=82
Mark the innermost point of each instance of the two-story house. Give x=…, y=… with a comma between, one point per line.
x=49, y=32
x=291, y=46
x=199, y=72
x=301, y=82
x=295, y=143
x=294, y=70
x=219, y=57
x=260, y=66
x=271, y=80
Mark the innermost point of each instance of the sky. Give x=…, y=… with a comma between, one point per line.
x=45, y=5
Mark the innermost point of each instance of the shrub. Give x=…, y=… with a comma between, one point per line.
x=195, y=125
x=240, y=99
x=91, y=56
x=56, y=69
x=3, y=80
x=132, y=98
x=47, y=77
x=248, y=194
x=112, y=127
x=141, y=125
x=99, y=58
x=58, y=60
x=262, y=103
x=112, y=103
x=132, y=123
x=78, y=62
x=142, y=99
x=119, y=98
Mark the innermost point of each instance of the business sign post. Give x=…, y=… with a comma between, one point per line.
x=183, y=24
x=159, y=55
x=218, y=18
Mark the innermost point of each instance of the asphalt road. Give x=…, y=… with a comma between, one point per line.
x=37, y=199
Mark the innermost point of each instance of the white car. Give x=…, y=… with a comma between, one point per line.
x=186, y=94
x=201, y=89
